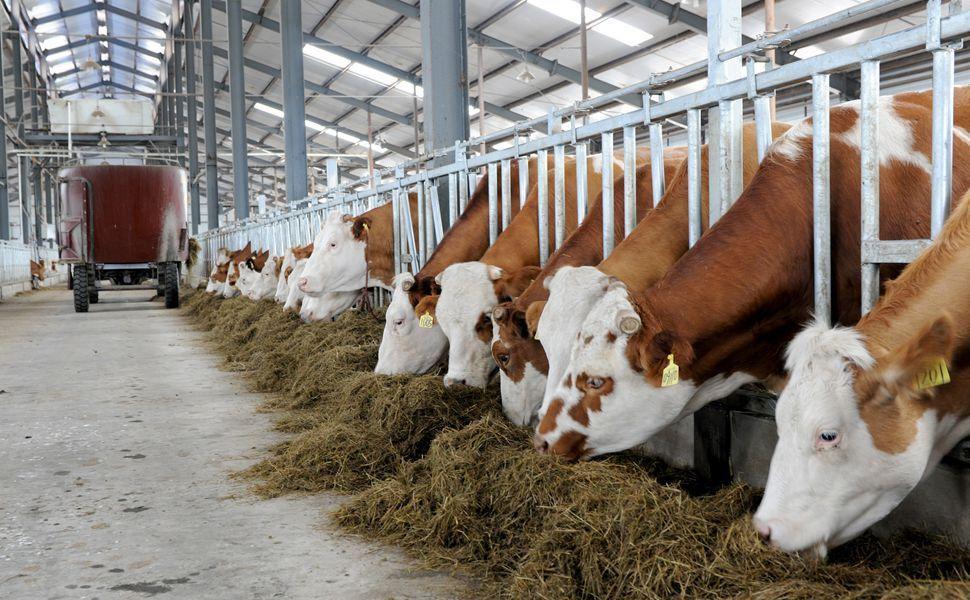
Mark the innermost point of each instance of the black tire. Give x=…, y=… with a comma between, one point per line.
x=171, y=270
x=70, y=278
x=81, y=298
x=92, y=287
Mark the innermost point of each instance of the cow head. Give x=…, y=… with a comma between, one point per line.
x=230, y=290
x=339, y=261
x=327, y=306
x=264, y=283
x=469, y=291
x=406, y=347
x=855, y=435
x=610, y=397
x=294, y=295
x=521, y=360
x=283, y=278
x=37, y=270
x=219, y=274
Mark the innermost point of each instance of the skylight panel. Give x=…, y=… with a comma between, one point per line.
x=61, y=67
x=611, y=28
x=59, y=57
x=324, y=56
x=152, y=46
x=52, y=42
x=268, y=109
x=362, y=70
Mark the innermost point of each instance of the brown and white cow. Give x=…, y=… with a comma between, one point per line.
x=406, y=347
x=238, y=259
x=293, y=297
x=860, y=422
x=520, y=357
x=724, y=313
x=351, y=253
x=249, y=270
x=553, y=308
x=470, y=290
x=38, y=270
x=225, y=258
x=264, y=282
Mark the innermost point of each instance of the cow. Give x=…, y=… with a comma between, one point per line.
x=352, y=253
x=327, y=306
x=283, y=281
x=236, y=258
x=866, y=413
x=249, y=270
x=294, y=295
x=644, y=360
x=405, y=346
x=265, y=281
x=224, y=262
x=470, y=290
x=520, y=358
x=569, y=290
x=37, y=270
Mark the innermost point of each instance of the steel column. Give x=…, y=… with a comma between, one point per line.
x=179, y=98
x=237, y=97
x=38, y=191
x=209, y=118
x=188, y=22
x=18, y=103
x=444, y=68
x=294, y=109
x=4, y=181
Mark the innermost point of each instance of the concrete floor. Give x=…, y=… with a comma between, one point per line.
x=117, y=437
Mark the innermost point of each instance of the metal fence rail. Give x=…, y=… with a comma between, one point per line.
x=15, y=261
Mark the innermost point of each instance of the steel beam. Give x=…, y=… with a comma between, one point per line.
x=178, y=72
x=188, y=31
x=4, y=180
x=18, y=117
x=209, y=117
x=38, y=191
x=237, y=99
x=294, y=109
x=138, y=18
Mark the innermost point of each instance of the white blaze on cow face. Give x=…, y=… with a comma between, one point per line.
x=214, y=286
x=405, y=347
x=602, y=404
x=327, y=306
x=464, y=307
x=828, y=482
x=573, y=291
x=264, y=283
x=294, y=295
x=338, y=262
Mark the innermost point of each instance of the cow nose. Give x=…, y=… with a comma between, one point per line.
x=302, y=284
x=541, y=445
x=450, y=381
x=763, y=529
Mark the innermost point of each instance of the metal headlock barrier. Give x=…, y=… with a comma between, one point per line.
x=734, y=76
x=15, y=260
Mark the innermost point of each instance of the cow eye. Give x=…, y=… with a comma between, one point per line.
x=399, y=322
x=503, y=358
x=594, y=383
x=333, y=244
x=828, y=438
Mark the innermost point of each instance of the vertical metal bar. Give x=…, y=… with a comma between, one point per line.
x=523, y=181
x=694, y=212
x=629, y=179
x=762, y=124
x=942, y=138
x=870, y=177
x=237, y=105
x=559, y=194
x=821, y=208
x=543, y=207
x=413, y=250
x=435, y=211
x=38, y=206
x=582, y=182
x=607, y=174
x=178, y=74
x=396, y=227
x=659, y=185
x=190, y=109
x=463, y=177
x=492, y=203
x=4, y=180
x=506, y=192
x=452, y=199
x=724, y=33
x=294, y=110
x=422, y=228
x=209, y=118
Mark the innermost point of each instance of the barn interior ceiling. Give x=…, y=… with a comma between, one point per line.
x=363, y=62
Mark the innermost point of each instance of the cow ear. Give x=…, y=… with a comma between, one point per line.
x=532, y=315
x=437, y=278
x=427, y=306
x=361, y=228
x=650, y=352
x=494, y=273
x=916, y=364
x=249, y=248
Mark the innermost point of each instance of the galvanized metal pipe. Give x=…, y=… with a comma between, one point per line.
x=543, y=198
x=607, y=173
x=523, y=181
x=582, y=193
x=4, y=199
x=452, y=198
x=870, y=178
x=493, y=230
x=432, y=216
x=506, y=192
x=209, y=118
x=629, y=178
x=694, y=212
x=559, y=194
x=821, y=208
x=942, y=138
x=422, y=229
x=659, y=185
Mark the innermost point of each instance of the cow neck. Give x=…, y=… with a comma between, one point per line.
x=379, y=245
x=467, y=239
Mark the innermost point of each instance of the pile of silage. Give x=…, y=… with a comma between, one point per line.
x=352, y=426
x=622, y=527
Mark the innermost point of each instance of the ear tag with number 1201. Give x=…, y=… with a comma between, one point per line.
x=426, y=321
x=937, y=374
x=671, y=373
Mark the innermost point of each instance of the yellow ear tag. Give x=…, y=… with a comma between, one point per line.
x=366, y=227
x=937, y=374
x=671, y=373
x=426, y=321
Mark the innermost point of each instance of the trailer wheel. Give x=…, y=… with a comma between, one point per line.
x=171, y=285
x=80, y=288
x=92, y=295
